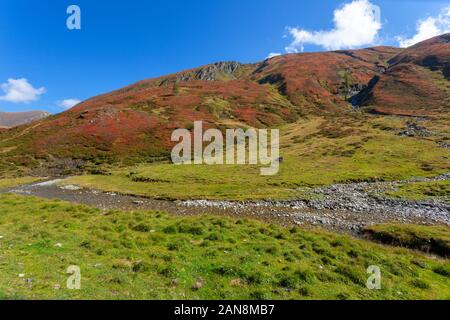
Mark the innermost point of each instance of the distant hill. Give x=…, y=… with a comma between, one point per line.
x=13, y=119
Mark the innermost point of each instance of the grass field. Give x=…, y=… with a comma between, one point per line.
x=434, y=239
x=151, y=255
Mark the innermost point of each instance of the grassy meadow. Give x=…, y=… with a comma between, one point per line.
x=315, y=151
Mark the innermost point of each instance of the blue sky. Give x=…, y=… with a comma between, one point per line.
x=121, y=42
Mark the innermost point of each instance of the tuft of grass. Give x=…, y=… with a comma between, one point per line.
x=152, y=255
x=15, y=182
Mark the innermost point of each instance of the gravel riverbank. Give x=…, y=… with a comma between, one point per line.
x=341, y=207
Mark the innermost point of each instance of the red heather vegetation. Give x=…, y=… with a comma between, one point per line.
x=416, y=82
x=315, y=78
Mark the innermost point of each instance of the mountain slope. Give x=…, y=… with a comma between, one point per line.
x=416, y=81
x=135, y=122
x=324, y=80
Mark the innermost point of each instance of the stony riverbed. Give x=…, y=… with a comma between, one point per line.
x=340, y=207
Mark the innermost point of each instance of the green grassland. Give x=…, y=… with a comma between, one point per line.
x=152, y=255
x=316, y=151
x=15, y=182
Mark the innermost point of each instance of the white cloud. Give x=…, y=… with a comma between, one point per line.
x=273, y=54
x=68, y=103
x=20, y=91
x=428, y=28
x=355, y=24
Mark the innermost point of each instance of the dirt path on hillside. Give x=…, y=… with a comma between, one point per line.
x=342, y=207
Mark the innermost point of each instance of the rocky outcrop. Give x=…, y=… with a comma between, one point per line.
x=213, y=72
x=414, y=130
x=359, y=97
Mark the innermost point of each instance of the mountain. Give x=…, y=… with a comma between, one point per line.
x=416, y=81
x=136, y=122
x=13, y=119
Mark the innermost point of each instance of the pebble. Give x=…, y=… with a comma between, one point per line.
x=198, y=284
